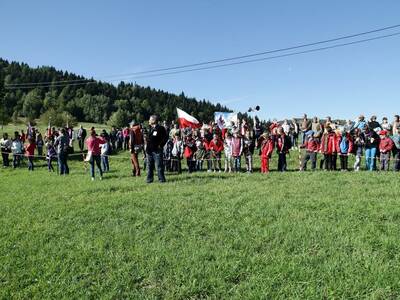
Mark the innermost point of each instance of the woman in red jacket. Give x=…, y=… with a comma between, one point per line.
x=94, y=153
x=328, y=148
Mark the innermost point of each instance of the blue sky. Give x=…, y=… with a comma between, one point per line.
x=97, y=38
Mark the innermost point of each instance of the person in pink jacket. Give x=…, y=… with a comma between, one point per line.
x=94, y=152
x=237, y=148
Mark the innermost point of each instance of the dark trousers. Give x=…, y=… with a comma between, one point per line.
x=49, y=164
x=334, y=159
x=344, y=159
x=155, y=160
x=62, y=164
x=176, y=165
x=95, y=159
x=385, y=161
x=6, y=161
x=126, y=143
x=396, y=158
x=309, y=156
x=16, y=160
x=81, y=144
x=330, y=162
x=282, y=162
x=199, y=165
x=236, y=164
x=30, y=163
x=191, y=164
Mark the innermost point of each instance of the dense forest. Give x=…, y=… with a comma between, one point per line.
x=83, y=99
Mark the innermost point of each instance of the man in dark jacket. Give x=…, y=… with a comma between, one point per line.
x=157, y=137
x=81, y=137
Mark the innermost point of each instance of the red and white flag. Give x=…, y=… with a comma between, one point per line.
x=185, y=120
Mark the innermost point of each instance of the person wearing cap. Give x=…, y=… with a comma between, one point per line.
x=396, y=149
x=157, y=137
x=385, y=148
x=136, y=146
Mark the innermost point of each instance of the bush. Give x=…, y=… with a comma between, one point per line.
x=120, y=119
x=58, y=119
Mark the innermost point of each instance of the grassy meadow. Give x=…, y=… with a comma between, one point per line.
x=286, y=235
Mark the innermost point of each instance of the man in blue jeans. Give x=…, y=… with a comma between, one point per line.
x=156, y=139
x=61, y=144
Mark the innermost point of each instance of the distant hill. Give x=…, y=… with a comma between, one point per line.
x=94, y=101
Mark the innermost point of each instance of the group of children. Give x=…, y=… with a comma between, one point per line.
x=202, y=148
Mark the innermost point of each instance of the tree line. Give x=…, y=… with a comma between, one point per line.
x=94, y=101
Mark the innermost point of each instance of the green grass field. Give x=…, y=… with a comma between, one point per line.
x=222, y=236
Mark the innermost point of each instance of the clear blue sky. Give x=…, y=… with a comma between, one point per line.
x=97, y=38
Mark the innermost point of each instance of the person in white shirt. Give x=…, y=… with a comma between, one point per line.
x=17, y=148
x=105, y=151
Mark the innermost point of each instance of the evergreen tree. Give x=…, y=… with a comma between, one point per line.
x=94, y=101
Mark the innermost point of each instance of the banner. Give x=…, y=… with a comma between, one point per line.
x=185, y=120
x=225, y=119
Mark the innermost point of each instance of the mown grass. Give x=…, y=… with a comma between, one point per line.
x=291, y=235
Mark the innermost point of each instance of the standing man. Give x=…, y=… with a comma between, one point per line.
x=61, y=143
x=81, y=137
x=136, y=146
x=305, y=126
x=154, y=149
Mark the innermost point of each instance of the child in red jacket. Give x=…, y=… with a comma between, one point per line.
x=30, y=152
x=267, y=147
x=188, y=152
x=216, y=147
x=385, y=147
x=312, y=146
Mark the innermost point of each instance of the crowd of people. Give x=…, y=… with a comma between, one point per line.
x=213, y=149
